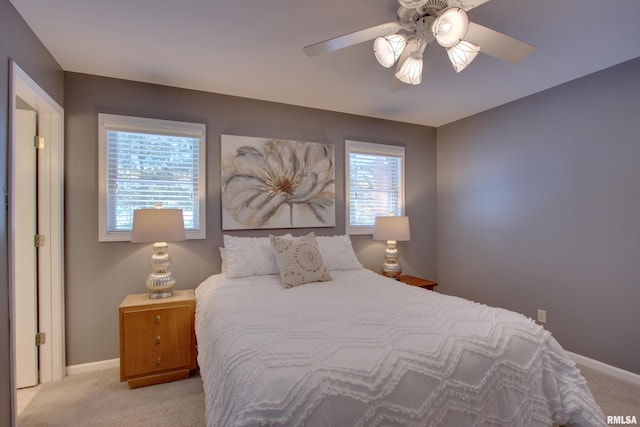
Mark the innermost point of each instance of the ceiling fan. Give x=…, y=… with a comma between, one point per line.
x=420, y=22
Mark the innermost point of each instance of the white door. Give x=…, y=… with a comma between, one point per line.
x=26, y=263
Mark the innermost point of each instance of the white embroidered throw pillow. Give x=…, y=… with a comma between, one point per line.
x=299, y=260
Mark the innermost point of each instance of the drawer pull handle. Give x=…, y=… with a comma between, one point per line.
x=157, y=340
x=158, y=319
x=158, y=361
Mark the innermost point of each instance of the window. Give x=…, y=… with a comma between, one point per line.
x=375, y=184
x=145, y=162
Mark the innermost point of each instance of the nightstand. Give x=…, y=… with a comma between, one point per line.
x=157, y=338
x=416, y=281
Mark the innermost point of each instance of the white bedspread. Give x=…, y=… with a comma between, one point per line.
x=363, y=350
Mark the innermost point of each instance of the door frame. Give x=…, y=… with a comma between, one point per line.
x=50, y=223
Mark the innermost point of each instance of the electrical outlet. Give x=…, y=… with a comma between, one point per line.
x=542, y=316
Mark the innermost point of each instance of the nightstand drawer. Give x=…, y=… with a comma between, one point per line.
x=156, y=361
x=151, y=330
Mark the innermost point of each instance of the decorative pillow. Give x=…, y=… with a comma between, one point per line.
x=337, y=253
x=249, y=256
x=299, y=260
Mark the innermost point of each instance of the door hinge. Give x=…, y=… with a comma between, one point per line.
x=38, y=142
x=38, y=240
x=41, y=338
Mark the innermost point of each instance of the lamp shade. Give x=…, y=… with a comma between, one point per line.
x=392, y=228
x=157, y=225
x=388, y=49
x=450, y=27
x=410, y=71
x=462, y=54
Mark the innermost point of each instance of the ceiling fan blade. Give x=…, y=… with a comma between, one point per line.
x=466, y=5
x=497, y=44
x=351, y=39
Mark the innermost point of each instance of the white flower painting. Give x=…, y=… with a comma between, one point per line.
x=274, y=183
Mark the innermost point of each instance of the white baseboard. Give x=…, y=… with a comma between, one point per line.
x=604, y=368
x=93, y=366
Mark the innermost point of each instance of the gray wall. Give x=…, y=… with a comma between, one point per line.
x=100, y=275
x=539, y=207
x=17, y=42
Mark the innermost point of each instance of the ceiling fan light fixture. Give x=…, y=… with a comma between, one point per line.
x=462, y=54
x=450, y=27
x=410, y=71
x=413, y=4
x=388, y=49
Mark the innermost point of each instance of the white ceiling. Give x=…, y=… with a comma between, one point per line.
x=253, y=48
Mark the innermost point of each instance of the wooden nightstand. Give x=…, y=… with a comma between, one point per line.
x=416, y=281
x=157, y=338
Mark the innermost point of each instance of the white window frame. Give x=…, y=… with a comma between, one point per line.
x=112, y=122
x=372, y=149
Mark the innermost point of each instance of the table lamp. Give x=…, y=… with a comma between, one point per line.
x=392, y=229
x=159, y=226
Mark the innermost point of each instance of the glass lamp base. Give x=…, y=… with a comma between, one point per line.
x=392, y=270
x=159, y=295
x=160, y=282
x=391, y=267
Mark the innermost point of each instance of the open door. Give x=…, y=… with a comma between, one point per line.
x=26, y=262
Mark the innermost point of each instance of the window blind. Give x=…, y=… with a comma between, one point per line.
x=374, y=187
x=144, y=170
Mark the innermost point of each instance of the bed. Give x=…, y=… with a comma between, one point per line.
x=359, y=349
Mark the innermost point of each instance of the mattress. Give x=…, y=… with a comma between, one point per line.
x=365, y=350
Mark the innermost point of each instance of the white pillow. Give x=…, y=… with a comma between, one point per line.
x=338, y=253
x=299, y=260
x=249, y=256
x=223, y=260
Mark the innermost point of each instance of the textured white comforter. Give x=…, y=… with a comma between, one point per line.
x=363, y=350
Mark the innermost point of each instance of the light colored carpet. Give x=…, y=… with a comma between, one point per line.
x=615, y=396
x=100, y=399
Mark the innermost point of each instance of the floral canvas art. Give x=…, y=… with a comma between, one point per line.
x=274, y=183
